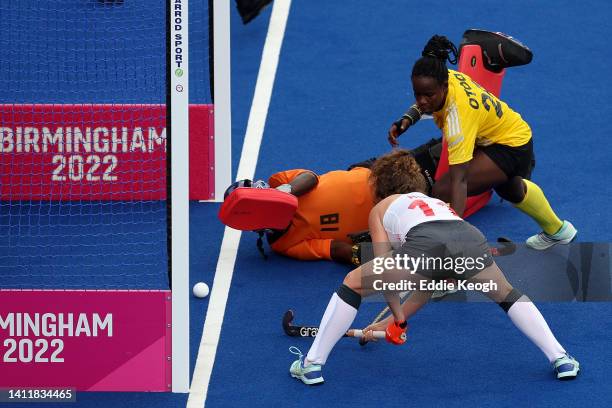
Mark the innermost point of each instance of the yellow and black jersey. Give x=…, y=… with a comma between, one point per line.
x=338, y=205
x=472, y=117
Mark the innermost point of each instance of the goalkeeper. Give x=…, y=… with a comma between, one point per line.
x=331, y=220
x=332, y=217
x=331, y=207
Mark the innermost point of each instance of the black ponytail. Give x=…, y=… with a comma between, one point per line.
x=434, y=56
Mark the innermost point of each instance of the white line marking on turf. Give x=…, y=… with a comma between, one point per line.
x=231, y=238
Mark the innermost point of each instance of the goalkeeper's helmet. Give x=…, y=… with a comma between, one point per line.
x=235, y=185
x=244, y=183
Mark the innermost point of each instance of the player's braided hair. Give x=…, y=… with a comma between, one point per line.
x=396, y=173
x=434, y=56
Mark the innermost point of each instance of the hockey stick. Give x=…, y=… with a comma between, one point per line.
x=507, y=247
x=311, y=331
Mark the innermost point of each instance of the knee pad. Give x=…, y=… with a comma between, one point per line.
x=349, y=296
x=511, y=299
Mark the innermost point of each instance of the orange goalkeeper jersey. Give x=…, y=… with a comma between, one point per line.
x=338, y=205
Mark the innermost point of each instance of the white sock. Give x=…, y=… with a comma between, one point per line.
x=528, y=319
x=336, y=320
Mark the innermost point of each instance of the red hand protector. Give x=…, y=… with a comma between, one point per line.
x=395, y=333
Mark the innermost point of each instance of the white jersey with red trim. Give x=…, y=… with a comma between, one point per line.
x=412, y=209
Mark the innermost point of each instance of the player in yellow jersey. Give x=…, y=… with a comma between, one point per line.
x=330, y=207
x=489, y=144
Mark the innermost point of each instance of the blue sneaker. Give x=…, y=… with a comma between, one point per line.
x=543, y=241
x=566, y=367
x=310, y=375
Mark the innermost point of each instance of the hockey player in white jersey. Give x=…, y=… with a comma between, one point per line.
x=419, y=242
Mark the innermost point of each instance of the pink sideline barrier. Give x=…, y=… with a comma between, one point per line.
x=86, y=340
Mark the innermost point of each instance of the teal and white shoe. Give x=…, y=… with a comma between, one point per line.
x=566, y=367
x=310, y=375
x=543, y=241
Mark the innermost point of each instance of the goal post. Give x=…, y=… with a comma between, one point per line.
x=177, y=128
x=222, y=97
x=107, y=134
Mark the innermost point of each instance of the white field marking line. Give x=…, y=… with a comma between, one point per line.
x=231, y=238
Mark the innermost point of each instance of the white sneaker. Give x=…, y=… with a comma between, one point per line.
x=543, y=241
x=310, y=375
x=566, y=367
